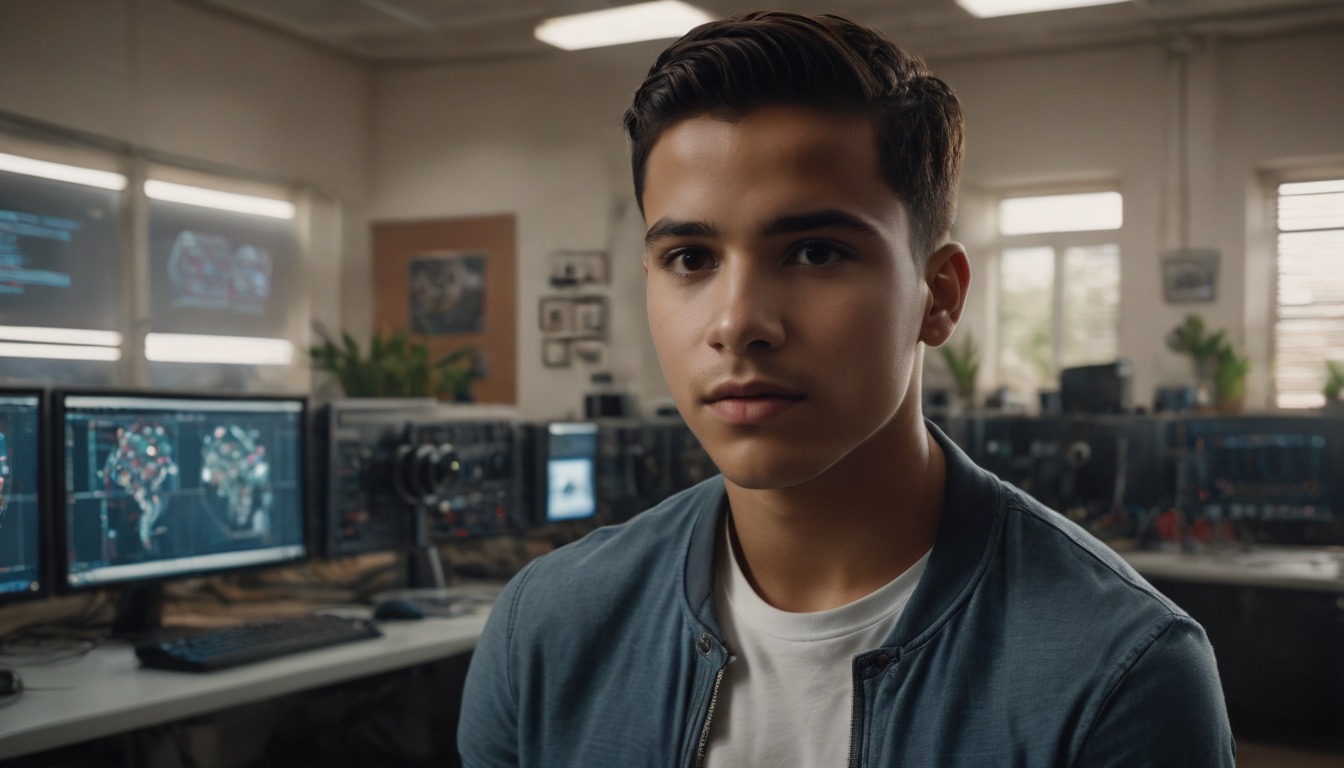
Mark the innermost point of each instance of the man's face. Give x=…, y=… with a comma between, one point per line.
x=783, y=298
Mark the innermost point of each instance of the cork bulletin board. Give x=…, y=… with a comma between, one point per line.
x=452, y=283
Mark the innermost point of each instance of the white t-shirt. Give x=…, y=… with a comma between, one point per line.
x=786, y=698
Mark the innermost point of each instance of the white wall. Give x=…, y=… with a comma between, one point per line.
x=174, y=79
x=1256, y=106
x=541, y=138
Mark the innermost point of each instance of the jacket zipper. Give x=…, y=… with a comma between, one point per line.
x=704, y=732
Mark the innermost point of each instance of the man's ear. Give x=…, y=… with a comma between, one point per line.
x=948, y=276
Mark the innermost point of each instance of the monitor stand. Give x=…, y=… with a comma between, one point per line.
x=426, y=586
x=139, y=615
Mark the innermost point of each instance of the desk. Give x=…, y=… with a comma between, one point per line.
x=109, y=692
x=1275, y=619
x=1310, y=570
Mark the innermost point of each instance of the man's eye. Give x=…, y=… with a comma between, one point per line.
x=816, y=254
x=685, y=262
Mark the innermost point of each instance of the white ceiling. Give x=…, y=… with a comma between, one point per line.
x=389, y=31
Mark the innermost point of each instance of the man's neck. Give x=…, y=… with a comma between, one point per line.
x=851, y=530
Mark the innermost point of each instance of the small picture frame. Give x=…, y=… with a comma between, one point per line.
x=555, y=314
x=574, y=268
x=590, y=351
x=555, y=353
x=590, y=316
x=1190, y=275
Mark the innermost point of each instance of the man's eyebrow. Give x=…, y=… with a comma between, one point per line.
x=812, y=220
x=666, y=227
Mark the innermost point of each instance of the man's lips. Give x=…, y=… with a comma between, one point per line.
x=751, y=402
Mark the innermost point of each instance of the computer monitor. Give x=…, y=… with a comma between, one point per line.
x=159, y=486
x=21, y=497
x=1096, y=388
x=571, y=455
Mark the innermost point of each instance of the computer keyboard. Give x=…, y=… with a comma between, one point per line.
x=253, y=642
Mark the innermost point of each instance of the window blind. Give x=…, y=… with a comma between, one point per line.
x=1309, y=322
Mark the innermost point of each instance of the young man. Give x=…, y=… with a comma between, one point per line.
x=852, y=591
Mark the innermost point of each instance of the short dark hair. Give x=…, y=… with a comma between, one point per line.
x=731, y=67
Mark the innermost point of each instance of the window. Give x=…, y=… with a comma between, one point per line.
x=60, y=271
x=224, y=302
x=1309, y=321
x=1059, y=285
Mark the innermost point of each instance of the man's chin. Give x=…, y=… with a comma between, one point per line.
x=759, y=473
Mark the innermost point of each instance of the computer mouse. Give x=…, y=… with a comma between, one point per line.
x=395, y=610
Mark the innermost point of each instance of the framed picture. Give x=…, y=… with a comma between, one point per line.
x=555, y=353
x=571, y=268
x=456, y=282
x=447, y=293
x=1190, y=275
x=590, y=316
x=556, y=314
x=590, y=351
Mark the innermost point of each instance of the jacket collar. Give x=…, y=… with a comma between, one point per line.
x=973, y=511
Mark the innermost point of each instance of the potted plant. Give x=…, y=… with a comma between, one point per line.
x=1190, y=338
x=1334, y=385
x=964, y=364
x=1230, y=380
x=396, y=368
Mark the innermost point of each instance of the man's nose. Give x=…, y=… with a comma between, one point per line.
x=747, y=310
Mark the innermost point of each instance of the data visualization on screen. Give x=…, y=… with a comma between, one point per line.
x=163, y=486
x=20, y=567
x=570, y=490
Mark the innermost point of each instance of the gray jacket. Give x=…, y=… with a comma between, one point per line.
x=1026, y=643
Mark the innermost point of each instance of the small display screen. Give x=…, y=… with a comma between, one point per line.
x=161, y=486
x=570, y=492
x=20, y=568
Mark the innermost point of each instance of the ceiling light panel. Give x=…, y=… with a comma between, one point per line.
x=60, y=172
x=59, y=352
x=986, y=9
x=224, y=201
x=60, y=335
x=626, y=24
x=234, y=350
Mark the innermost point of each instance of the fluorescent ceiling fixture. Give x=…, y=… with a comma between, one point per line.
x=1311, y=187
x=985, y=9
x=1061, y=213
x=626, y=24
x=71, y=173
x=224, y=201
x=60, y=335
x=237, y=350
x=59, y=351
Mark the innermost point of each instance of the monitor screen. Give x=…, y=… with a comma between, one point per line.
x=219, y=272
x=60, y=249
x=160, y=486
x=60, y=278
x=571, y=455
x=20, y=567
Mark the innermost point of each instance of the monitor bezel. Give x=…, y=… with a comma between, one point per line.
x=46, y=574
x=61, y=567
